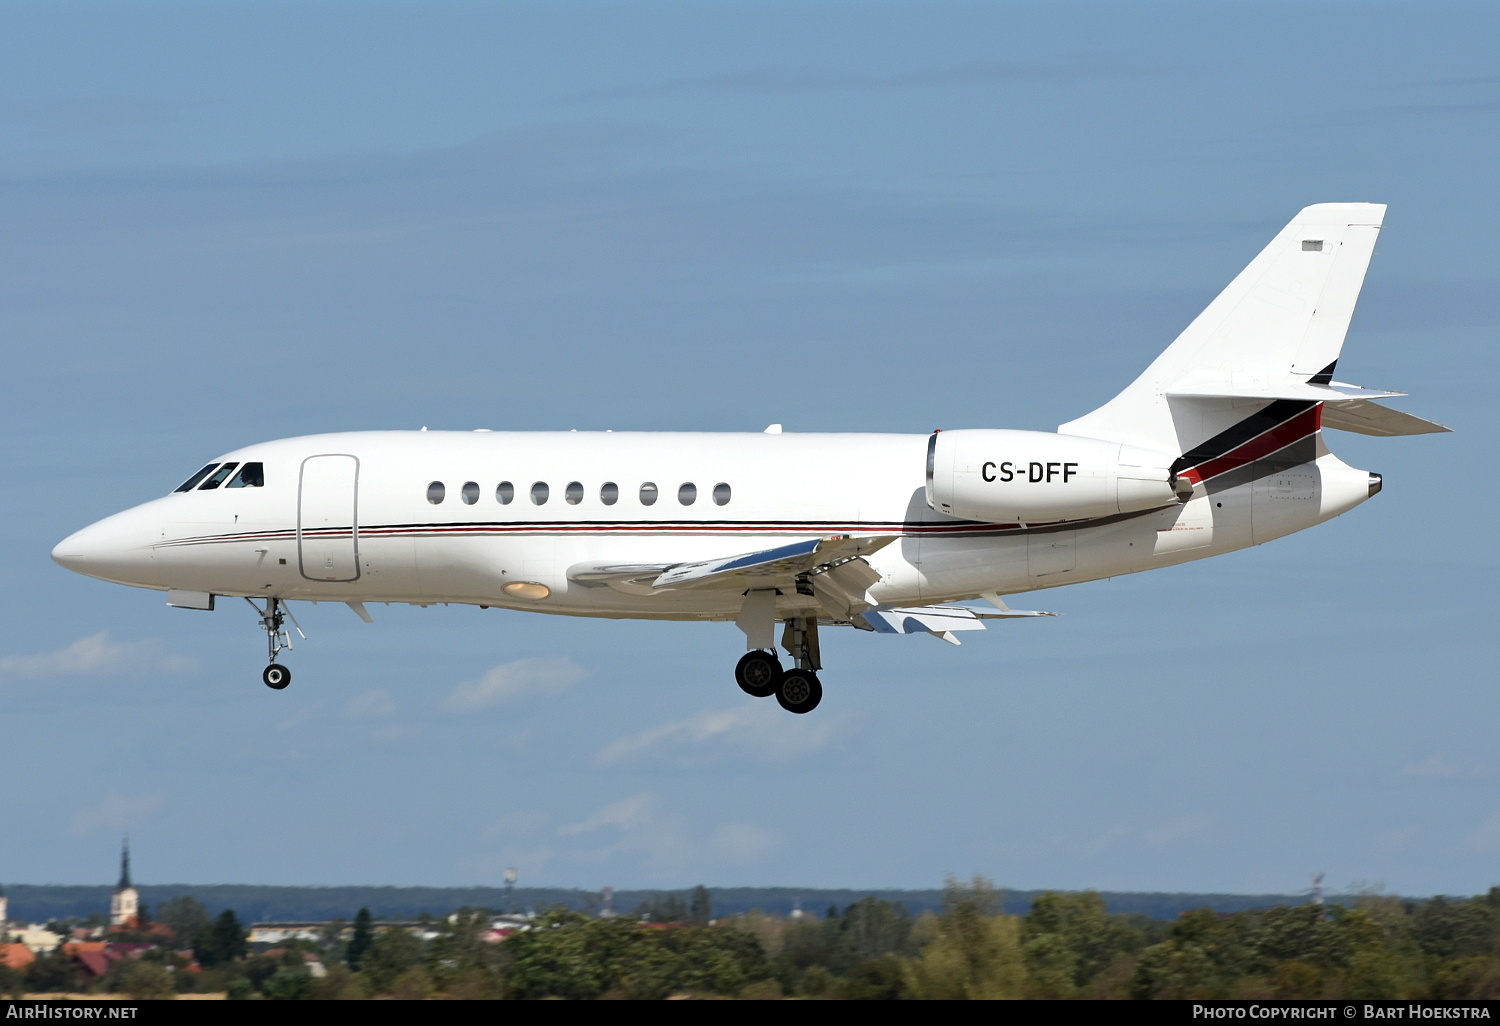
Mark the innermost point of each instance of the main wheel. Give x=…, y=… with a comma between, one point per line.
x=758, y=674
x=276, y=676
x=799, y=691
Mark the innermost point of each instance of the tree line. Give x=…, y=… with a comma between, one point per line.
x=1064, y=946
x=260, y=903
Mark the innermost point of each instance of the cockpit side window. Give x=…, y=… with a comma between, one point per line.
x=251, y=475
x=192, y=482
x=217, y=477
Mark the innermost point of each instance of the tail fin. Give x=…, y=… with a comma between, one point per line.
x=1274, y=333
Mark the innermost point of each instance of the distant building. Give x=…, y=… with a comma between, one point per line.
x=4, y=913
x=275, y=933
x=16, y=956
x=125, y=903
x=38, y=939
x=278, y=933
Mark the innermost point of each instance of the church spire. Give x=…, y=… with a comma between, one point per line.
x=125, y=903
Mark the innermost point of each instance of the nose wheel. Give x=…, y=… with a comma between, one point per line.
x=273, y=620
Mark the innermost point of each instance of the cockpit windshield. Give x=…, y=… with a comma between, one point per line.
x=192, y=482
x=217, y=477
x=251, y=475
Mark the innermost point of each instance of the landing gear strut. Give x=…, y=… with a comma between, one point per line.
x=759, y=672
x=273, y=620
x=799, y=690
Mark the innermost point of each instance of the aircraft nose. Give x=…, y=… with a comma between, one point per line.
x=117, y=548
x=87, y=551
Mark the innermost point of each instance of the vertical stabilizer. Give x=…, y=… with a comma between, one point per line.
x=1279, y=324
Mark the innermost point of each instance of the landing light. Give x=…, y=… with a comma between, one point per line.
x=527, y=590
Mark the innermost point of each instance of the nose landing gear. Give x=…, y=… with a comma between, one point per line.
x=273, y=620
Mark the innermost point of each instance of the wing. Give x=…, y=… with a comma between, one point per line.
x=762, y=569
x=827, y=561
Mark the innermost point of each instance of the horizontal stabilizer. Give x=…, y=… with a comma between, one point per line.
x=1337, y=392
x=1345, y=407
x=934, y=619
x=1369, y=418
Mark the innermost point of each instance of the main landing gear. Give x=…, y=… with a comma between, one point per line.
x=273, y=620
x=797, y=690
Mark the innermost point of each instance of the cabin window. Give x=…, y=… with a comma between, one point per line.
x=469, y=493
x=648, y=494
x=539, y=492
x=435, y=492
x=251, y=475
x=721, y=494
x=573, y=493
x=217, y=478
x=504, y=493
x=192, y=482
x=687, y=494
x=609, y=493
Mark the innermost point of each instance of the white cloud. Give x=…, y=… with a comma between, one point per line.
x=117, y=811
x=661, y=842
x=370, y=706
x=97, y=656
x=518, y=679
x=1439, y=767
x=300, y=717
x=625, y=814
x=762, y=731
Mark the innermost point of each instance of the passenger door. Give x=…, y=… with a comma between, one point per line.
x=327, y=521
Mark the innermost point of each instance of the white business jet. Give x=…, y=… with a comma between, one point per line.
x=1217, y=446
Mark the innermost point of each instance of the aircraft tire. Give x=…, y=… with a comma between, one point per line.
x=276, y=676
x=758, y=674
x=799, y=691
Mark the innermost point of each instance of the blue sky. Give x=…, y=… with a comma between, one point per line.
x=229, y=222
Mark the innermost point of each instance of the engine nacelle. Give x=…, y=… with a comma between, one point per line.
x=1006, y=477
